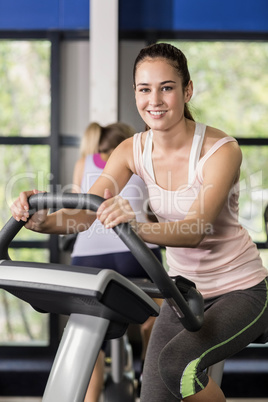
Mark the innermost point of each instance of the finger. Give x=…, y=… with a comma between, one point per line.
x=110, y=211
x=23, y=200
x=115, y=219
x=115, y=210
x=20, y=207
x=122, y=214
x=18, y=212
x=105, y=216
x=105, y=206
x=23, y=197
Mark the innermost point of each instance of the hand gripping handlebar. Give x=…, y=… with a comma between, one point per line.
x=189, y=306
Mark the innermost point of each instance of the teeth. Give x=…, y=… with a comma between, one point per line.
x=157, y=113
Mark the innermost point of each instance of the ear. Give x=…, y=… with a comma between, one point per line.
x=188, y=93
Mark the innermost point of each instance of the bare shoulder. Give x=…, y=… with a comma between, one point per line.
x=123, y=154
x=213, y=135
x=80, y=163
x=228, y=157
x=124, y=148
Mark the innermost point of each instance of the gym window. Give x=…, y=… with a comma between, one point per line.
x=27, y=134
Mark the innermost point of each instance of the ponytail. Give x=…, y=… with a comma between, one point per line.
x=91, y=139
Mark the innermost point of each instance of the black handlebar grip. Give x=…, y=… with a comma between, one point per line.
x=188, y=307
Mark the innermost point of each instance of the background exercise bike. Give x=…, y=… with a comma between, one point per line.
x=100, y=303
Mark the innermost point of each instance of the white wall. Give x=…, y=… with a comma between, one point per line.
x=128, y=51
x=74, y=100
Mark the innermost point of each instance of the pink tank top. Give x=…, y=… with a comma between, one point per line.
x=224, y=261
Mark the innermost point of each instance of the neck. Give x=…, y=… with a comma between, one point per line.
x=175, y=137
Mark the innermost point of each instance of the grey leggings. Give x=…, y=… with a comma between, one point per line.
x=176, y=359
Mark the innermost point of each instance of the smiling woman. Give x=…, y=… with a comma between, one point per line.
x=179, y=82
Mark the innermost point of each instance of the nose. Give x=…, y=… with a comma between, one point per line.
x=156, y=98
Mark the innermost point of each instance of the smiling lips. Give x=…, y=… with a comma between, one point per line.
x=157, y=113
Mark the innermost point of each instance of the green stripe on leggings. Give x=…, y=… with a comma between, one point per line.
x=189, y=375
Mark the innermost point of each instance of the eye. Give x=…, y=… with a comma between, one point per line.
x=144, y=90
x=166, y=88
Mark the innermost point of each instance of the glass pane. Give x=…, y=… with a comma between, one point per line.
x=228, y=91
x=20, y=323
x=29, y=254
x=25, y=88
x=254, y=190
x=22, y=168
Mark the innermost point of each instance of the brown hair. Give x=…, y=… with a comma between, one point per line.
x=176, y=58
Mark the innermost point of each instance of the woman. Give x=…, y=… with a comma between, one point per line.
x=192, y=172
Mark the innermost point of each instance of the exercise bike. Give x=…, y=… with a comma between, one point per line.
x=100, y=303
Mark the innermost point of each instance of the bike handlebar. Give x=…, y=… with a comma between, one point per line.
x=188, y=307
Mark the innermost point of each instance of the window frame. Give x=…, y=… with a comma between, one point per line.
x=53, y=141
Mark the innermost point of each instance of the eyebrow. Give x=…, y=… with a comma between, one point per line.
x=161, y=83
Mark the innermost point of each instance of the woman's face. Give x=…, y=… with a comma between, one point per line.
x=159, y=95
